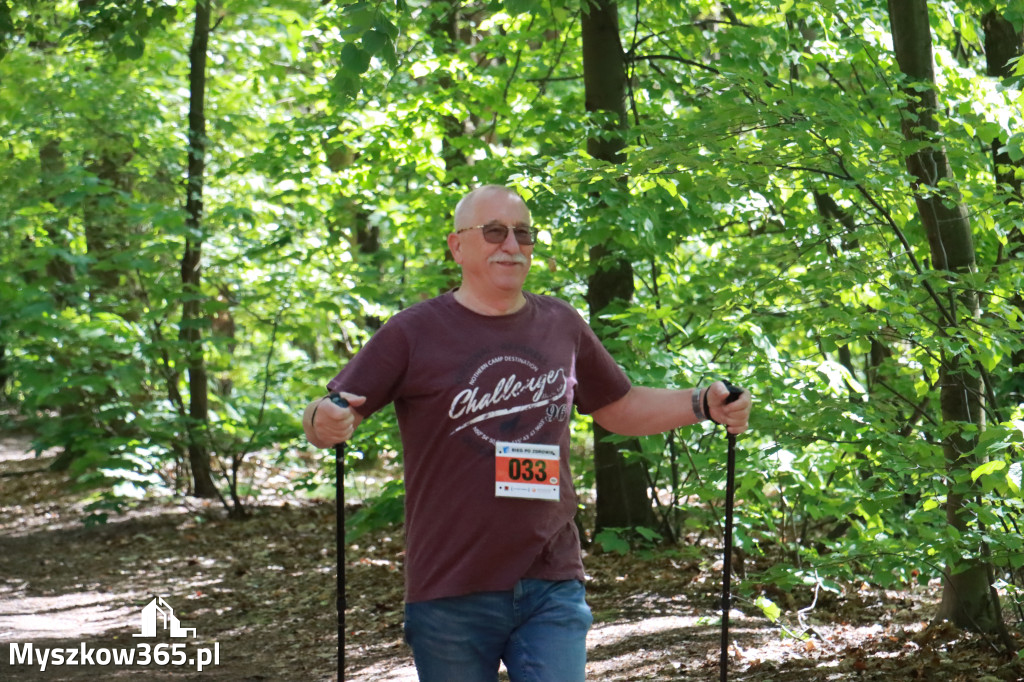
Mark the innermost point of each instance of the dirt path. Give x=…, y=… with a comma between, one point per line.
x=656, y=619
x=260, y=594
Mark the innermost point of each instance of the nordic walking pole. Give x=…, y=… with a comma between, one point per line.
x=730, y=489
x=339, y=524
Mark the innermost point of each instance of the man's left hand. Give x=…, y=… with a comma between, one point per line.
x=734, y=415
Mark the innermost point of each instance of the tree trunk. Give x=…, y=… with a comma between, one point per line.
x=968, y=599
x=51, y=167
x=445, y=31
x=105, y=225
x=622, y=499
x=74, y=415
x=191, y=262
x=1003, y=43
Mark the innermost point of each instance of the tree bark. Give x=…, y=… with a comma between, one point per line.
x=105, y=226
x=75, y=415
x=191, y=262
x=968, y=600
x=445, y=32
x=1003, y=43
x=622, y=498
x=51, y=167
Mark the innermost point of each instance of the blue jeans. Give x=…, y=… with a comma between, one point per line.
x=538, y=628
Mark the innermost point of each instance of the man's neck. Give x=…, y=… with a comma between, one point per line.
x=492, y=306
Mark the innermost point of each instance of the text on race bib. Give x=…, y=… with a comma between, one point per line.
x=527, y=471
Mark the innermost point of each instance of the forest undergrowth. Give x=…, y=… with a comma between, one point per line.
x=263, y=590
x=656, y=618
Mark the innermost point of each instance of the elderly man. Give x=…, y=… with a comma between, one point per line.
x=483, y=379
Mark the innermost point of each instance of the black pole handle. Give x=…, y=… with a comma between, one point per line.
x=734, y=392
x=730, y=489
x=339, y=524
x=338, y=400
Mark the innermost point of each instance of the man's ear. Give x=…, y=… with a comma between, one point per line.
x=455, y=246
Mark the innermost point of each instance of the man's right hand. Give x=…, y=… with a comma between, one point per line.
x=326, y=424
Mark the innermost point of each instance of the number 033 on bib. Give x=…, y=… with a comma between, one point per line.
x=527, y=471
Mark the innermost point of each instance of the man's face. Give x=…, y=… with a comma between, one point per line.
x=487, y=267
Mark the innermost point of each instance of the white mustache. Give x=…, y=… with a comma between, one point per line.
x=509, y=258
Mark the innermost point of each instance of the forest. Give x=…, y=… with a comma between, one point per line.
x=209, y=206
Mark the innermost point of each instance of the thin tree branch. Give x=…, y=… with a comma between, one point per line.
x=671, y=58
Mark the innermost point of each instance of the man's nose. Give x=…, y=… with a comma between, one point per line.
x=510, y=244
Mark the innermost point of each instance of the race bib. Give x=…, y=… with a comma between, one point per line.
x=527, y=471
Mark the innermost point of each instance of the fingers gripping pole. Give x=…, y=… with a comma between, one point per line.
x=339, y=524
x=730, y=489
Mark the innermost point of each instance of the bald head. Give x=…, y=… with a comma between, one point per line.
x=467, y=211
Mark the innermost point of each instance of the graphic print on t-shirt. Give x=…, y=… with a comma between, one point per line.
x=510, y=398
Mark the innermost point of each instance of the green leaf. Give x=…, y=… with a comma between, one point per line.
x=768, y=608
x=345, y=84
x=374, y=41
x=648, y=533
x=1015, y=146
x=1013, y=477
x=383, y=25
x=354, y=59
x=517, y=7
x=988, y=468
x=611, y=541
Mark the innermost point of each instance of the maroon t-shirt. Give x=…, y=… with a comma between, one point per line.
x=460, y=383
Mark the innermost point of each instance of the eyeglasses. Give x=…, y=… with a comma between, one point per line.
x=496, y=233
